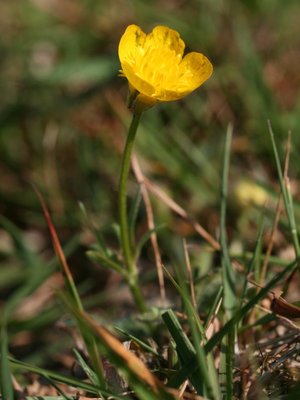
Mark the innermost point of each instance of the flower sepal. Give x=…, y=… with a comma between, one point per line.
x=138, y=102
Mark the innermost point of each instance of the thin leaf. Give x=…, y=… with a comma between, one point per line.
x=58, y=389
x=133, y=214
x=230, y=301
x=138, y=375
x=71, y=381
x=95, y=231
x=142, y=344
x=104, y=261
x=186, y=353
x=287, y=198
x=88, y=371
x=28, y=257
x=256, y=258
x=145, y=237
x=69, y=281
x=6, y=384
x=59, y=252
x=208, y=373
x=214, y=306
x=98, y=69
x=181, y=375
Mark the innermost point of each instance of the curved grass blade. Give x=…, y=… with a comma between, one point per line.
x=208, y=383
x=59, y=252
x=187, y=354
x=145, y=237
x=286, y=194
x=183, y=374
x=71, y=381
x=138, y=375
x=70, y=284
x=106, y=262
x=88, y=371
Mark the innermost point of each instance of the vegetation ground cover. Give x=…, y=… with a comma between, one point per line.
x=213, y=197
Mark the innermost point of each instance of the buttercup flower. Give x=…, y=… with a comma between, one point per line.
x=155, y=67
x=248, y=193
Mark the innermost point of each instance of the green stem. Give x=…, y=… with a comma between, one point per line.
x=132, y=276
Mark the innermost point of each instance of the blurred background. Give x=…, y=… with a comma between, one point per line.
x=63, y=121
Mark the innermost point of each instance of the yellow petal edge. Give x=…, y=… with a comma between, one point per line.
x=155, y=67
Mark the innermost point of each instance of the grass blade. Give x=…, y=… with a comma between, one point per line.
x=213, y=308
x=230, y=302
x=229, y=284
x=208, y=383
x=88, y=371
x=71, y=381
x=187, y=353
x=105, y=262
x=286, y=194
x=137, y=374
x=181, y=375
x=133, y=216
x=59, y=252
x=142, y=344
x=70, y=284
x=6, y=384
x=145, y=237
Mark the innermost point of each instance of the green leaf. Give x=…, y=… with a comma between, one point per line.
x=105, y=262
x=138, y=375
x=96, y=70
x=6, y=384
x=230, y=301
x=89, y=372
x=146, y=237
x=71, y=381
x=183, y=374
x=133, y=214
x=286, y=193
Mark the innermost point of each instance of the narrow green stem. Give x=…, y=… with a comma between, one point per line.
x=125, y=238
x=132, y=277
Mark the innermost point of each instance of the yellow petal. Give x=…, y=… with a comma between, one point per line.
x=165, y=38
x=193, y=71
x=130, y=44
x=154, y=64
x=136, y=81
x=196, y=69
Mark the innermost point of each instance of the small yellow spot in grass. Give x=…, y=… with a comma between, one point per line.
x=249, y=193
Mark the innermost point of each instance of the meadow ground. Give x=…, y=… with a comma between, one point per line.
x=213, y=200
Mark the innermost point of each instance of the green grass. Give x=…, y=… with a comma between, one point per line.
x=68, y=322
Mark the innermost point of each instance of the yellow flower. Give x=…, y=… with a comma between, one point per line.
x=249, y=193
x=155, y=67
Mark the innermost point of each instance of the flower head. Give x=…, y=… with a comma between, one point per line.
x=250, y=193
x=155, y=67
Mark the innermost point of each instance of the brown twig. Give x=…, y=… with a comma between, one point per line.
x=212, y=318
x=182, y=213
x=190, y=275
x=150, y=221
x=271, y=241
